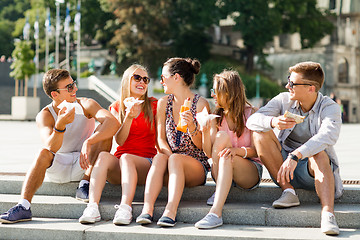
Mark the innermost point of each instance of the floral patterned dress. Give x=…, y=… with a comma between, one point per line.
x=181, y=142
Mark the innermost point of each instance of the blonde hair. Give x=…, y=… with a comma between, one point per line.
x=125, y=93
x=230, y=90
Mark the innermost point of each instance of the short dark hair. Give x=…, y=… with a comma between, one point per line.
x=51, y=79
x=185, y=67
x=311, y=72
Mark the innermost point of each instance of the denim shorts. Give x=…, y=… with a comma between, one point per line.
x=150, y=160
x=302, y=177
x=259, y=168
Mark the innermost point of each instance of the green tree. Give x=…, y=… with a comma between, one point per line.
x=143, y=27
x=23, y=65
x=260, y=20
x=149, y=31
x=6, y=39
x=189, y=22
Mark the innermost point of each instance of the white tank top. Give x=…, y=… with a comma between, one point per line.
x=76, y=132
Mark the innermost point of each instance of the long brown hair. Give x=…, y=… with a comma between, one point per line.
x=230, y=89
x=125, y=93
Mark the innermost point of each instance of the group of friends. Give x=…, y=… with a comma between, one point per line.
x=153, y=152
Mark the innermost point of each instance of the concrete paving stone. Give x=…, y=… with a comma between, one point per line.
x=43, y=228
x=309, y=215
x=266, y=193
x=306, y=215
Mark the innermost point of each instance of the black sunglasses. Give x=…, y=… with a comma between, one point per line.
x=163, y=77
x=70, y=87
x=138, y=78
x=292, y=84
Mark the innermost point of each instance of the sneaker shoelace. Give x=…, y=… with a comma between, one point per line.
x=14, y=209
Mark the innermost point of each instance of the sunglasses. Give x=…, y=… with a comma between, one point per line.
x=138, y=78
x=292, y=84
x=163, y=77
x=212, y=91
x=70, y=87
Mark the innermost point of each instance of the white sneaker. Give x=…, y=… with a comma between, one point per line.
x=329, y=225
x=91, y=214
x=211, y=199
x=123, y=215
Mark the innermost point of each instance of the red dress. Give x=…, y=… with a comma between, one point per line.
x=142, y=137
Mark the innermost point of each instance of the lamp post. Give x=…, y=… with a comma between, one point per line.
x=57, y=32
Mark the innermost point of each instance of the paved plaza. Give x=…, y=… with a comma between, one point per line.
x=20, y=141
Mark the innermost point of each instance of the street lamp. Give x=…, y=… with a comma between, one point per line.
x=57, y=32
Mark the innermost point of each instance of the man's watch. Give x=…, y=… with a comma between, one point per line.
x=294, y=157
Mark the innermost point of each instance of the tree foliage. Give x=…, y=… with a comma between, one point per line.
x=23, y=64
x=150, y=31
x=260, y=20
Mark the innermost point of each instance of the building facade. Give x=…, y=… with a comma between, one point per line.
x=339, y=54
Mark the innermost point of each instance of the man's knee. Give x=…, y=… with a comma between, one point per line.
x=265, y=140
x=44, y=158
x=320, y=160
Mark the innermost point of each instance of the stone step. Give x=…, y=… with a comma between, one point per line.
x=268, y=192
x=262, y=214
x=52, y=228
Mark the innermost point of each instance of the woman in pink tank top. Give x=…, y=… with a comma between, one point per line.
x=229, y=143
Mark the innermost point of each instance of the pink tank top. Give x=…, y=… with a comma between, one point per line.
x=244, y=139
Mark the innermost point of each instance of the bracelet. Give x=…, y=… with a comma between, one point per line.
x=245, y=151
x=59, y=131
x=193, y=133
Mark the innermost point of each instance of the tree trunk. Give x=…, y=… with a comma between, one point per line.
x=249, y=59
x=26, y=86
x=21, y=92
x=35, y=87
x=16, y=87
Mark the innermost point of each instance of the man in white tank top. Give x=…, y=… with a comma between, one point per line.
x=70, y=144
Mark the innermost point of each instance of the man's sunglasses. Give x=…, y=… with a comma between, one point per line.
x=292, y=84
x=70, y=87
x=138, y=78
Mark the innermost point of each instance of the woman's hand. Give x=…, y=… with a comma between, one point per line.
x=134, y=111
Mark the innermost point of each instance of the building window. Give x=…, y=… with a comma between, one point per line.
x=332, y=4
x=343, y=70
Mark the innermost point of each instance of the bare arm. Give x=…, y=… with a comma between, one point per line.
x=52, y=139
x=161, y=128
x=124, y=130
x=196, y=138
x=107, y=128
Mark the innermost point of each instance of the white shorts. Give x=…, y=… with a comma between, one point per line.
x=65, y=168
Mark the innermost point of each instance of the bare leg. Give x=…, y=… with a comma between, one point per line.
x=103, y=146
x=107, y=166
x=219, y=144
x=241, y=170
x=134, y=170
x=36, y=174
x=183, y=171
x=320, y=168
x=269, y=150
x=154, y=182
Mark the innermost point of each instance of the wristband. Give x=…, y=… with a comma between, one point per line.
x=59, y=131
x=293, y=157
x=245, y=155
